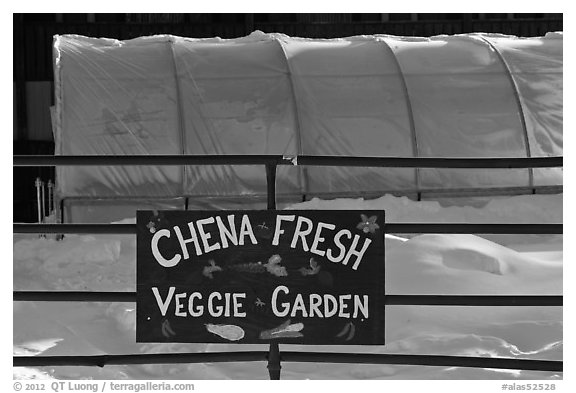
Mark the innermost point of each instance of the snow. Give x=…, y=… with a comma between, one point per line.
x=423, y=264
x=518, y=209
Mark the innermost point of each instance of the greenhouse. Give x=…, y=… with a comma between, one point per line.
x=472, y=95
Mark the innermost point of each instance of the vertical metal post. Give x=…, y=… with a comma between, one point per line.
x=62, y=211
x=50, y=197
x=38, y=184
x=271, y=185
x=43, y=205
x=274, y=366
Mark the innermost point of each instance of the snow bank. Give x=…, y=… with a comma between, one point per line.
x=518, y=209
x=524, y=209
x=425, y=264
x=467, y=264
x=74, y=263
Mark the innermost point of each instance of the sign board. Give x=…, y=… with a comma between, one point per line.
x=300, y=277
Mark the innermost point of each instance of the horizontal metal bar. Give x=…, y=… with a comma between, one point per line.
x=432, y=162
x=152, y=358
x=473, y=300
x=116, y=229
x=423, y=360
x=390, y=162
x=428, y=192
x=391, y=300
x=549, y=229
x=73, y=296
x=137, y=160
x=388, y=228
x=291, y=356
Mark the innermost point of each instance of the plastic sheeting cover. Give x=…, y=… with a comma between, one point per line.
x=474, y=95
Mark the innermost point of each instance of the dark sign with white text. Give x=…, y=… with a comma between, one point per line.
x=292, y=276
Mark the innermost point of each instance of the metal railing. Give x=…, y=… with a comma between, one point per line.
x=273, y=356
x=273, y=160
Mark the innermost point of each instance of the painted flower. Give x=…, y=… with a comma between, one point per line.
x=151, y=226
x=368, y=224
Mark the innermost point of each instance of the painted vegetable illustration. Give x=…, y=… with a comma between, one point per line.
x=349, y=331
x=208, y=270
x=229, y=332
x=285, y=330
x=312, y=270
x=273, y=267
x=167, y=329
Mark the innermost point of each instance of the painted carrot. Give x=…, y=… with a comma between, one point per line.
x=284, y=330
